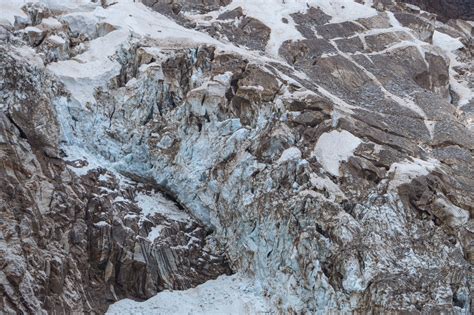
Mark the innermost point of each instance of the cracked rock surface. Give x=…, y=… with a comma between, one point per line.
x=322, y=151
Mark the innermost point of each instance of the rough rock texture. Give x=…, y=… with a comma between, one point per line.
x=338, y=174
x=447, y=9
x=77, y=242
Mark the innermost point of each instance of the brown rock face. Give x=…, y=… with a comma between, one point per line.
x=447, y=9
x=248, y=31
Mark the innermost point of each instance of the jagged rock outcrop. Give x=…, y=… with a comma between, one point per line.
x=75, y=241
x=325, y=151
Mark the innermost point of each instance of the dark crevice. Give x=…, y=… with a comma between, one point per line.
x=20, y=130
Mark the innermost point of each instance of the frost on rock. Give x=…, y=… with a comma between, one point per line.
x=335, y=147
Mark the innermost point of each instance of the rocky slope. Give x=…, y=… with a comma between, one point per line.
x=447, y=9
x=321, y=149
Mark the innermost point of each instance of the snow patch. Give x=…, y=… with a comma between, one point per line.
x=51, y=23
x=101, y=224
x=343, y=10
x=292, y=153
x=449, y=45
x=104, y=177
x=446, y=42
x=81, y=23
x=335, y=147
x=92, y=69
x=404, y=172
x=120, y=199
x=454, y=215
x=155, y=232
x=32, y=29
x=272, y=12
x=157, y=203
x=28, y=55
x=11, y=8
x=226, y=295
x=56, y=40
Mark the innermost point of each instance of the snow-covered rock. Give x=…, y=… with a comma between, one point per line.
x=231, y=295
